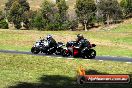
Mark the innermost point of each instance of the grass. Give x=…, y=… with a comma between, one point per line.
x=26, y=71
x=123, y=28
x=114, y=42
x=113, y=51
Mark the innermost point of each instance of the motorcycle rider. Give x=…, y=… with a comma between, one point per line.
x=51, y=44
x=51, y=41
x=82, y=43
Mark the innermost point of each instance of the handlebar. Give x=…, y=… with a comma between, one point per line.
x=93, y=45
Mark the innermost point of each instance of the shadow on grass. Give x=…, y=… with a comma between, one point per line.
x=57, y=81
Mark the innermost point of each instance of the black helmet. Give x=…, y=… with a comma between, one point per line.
x=79, y=36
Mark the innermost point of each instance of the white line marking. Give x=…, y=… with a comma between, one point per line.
x=70, y=58
x=128, y=62
x=86, y=59
x=101, y=60
x=48, y=56
x=59, y=57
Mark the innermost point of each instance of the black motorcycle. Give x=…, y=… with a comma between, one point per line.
x=43, y=47
x=72, y=50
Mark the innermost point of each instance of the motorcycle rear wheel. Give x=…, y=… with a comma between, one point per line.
x=35, y=50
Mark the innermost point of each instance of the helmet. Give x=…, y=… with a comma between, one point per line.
x=48, y=37
x=79, y=36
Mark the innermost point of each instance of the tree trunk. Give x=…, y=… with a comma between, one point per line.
x=85, y=27
x=108, y=19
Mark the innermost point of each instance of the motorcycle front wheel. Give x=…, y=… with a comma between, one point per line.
x=64, y=53
x=35, y=50
x=91, y=54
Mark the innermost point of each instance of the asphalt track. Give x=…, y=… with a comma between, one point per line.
x=100, y=58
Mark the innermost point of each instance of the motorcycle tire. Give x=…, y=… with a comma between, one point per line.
x=48, y=53
x=35, y=50
x=64, y=53
x=91, y=54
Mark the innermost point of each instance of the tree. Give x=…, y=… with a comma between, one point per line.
x=55, y=15
x=1, y=15
x=3, y=23
x=15, y=15
x=24, y=4
x=48, y=11
x=9, y=4
x=38, y=22
x=110, y=10
x=31, y=16
x=62, y=7
x=127, y=7
x=85, y=10
x=73, y=24
x=18, y=12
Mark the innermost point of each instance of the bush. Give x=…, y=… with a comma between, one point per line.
x=73, y=24
x=38, y=22
x=3, y=24
x=18, y=25
x=127, y=8
x=58, y=26
x=53, y=26
x=66, y=25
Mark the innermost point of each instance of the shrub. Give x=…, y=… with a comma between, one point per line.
x=3, y=24
x=18, y=26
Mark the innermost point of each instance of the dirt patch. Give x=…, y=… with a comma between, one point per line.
x=108, y=43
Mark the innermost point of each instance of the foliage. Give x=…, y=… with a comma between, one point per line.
x=3, y=24
x=62, y=7
x=31, y=16
x=38, y=22
x=54, y=15
x=1, y=15
x=110, y=9
x=85, y=10
x=47, y=10
x=24, y=4
x=127, y=7
x=18, y=12
x=73, y=24
x=9, y=4
x=18, y=25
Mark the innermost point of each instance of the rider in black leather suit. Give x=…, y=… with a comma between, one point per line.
x=82, y=43
x=51, y=41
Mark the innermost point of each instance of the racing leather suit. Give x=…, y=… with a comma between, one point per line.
x=52, y=43
x=82, y=44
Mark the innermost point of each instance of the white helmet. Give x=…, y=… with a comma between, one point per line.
x=48, y=37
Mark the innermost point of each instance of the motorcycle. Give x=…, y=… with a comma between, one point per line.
x=72, y=50
x=42, y=46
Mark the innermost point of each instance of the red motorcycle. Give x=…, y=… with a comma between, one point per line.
x=72, y=50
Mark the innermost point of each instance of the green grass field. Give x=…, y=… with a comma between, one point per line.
x=26, y=71
x=116, y=42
